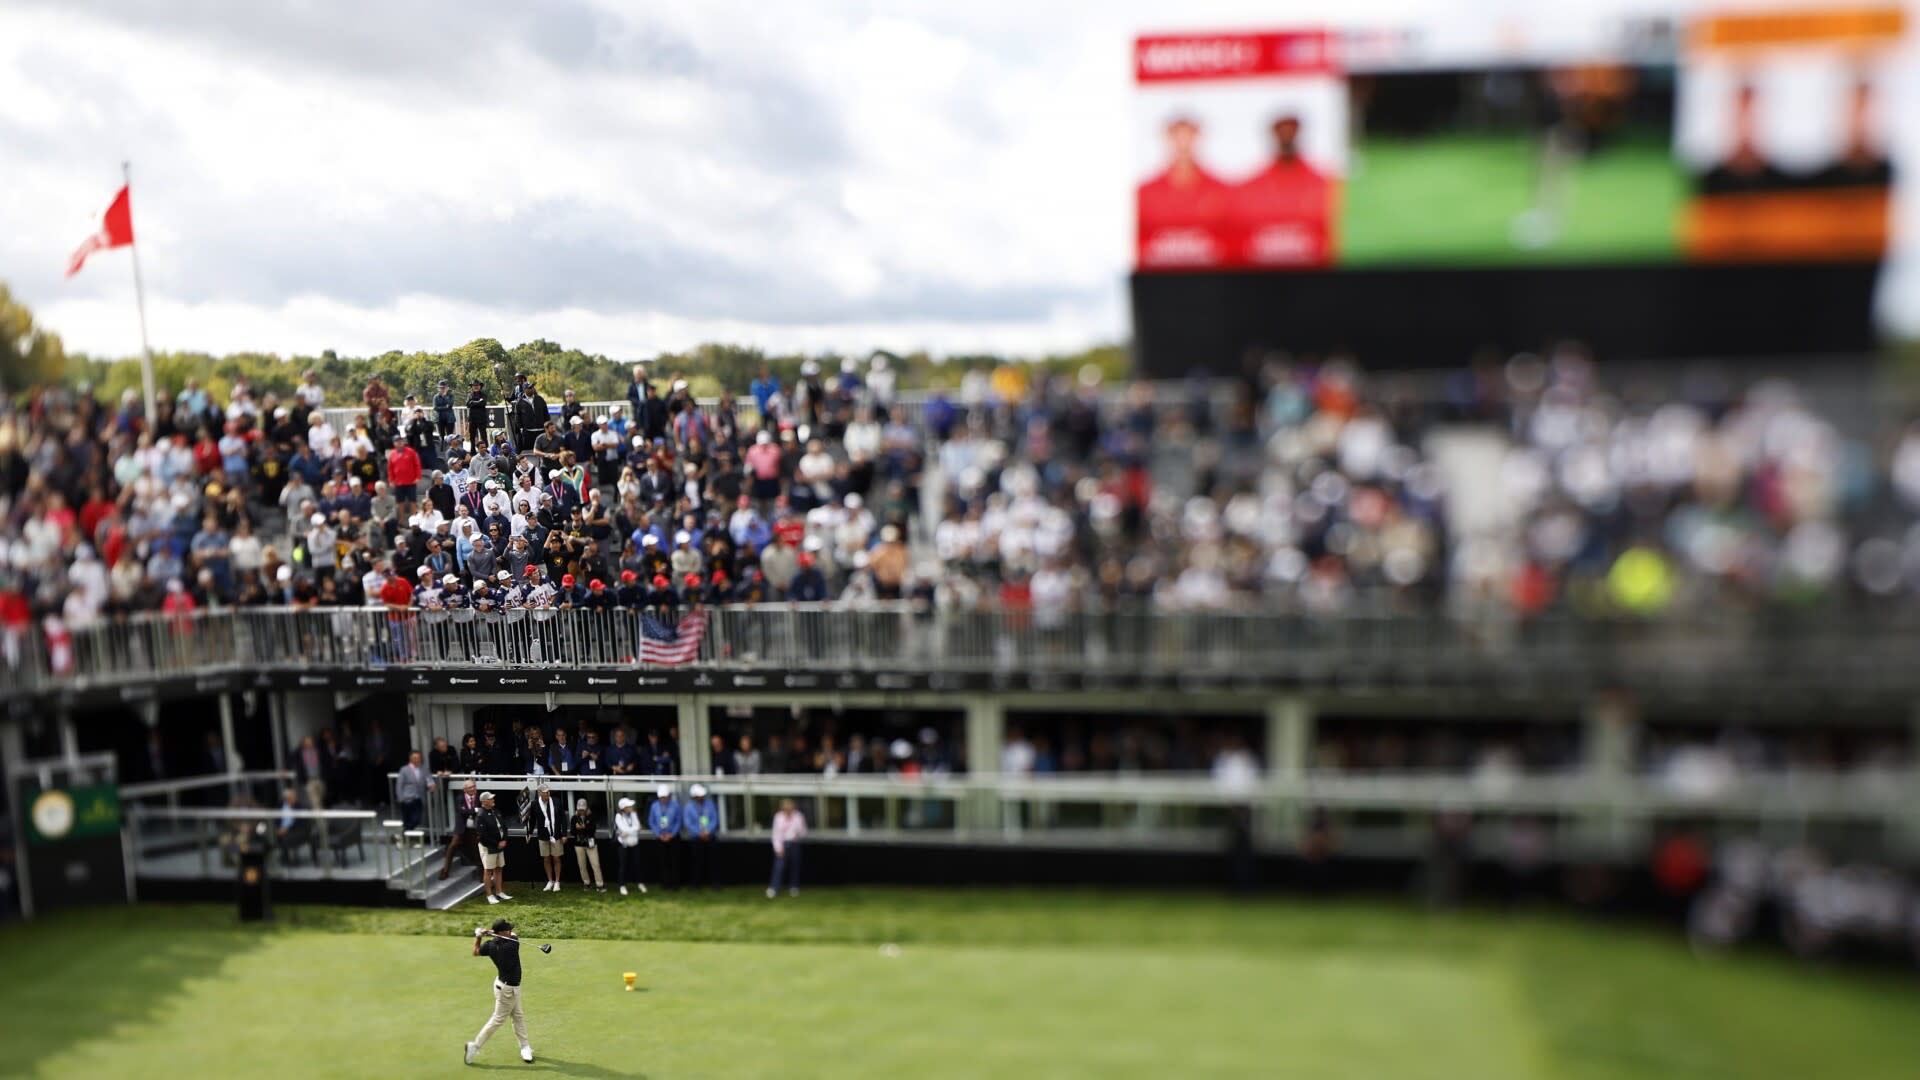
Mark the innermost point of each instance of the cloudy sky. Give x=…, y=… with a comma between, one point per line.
x=624, y=177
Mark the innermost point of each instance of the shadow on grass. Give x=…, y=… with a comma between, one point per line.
x=559, y=1067
x=83, y=976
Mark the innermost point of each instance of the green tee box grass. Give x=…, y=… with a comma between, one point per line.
x=997, y=984
x=1455, y=200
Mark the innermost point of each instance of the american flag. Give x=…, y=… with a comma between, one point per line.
x=672, y=645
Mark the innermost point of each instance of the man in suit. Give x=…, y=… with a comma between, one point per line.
x=309, y=766
x=412, y=789
x=465, y=809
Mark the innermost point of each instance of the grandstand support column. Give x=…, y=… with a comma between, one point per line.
x=13, y=753
x=69, y=735
x=277, y=729
x=226, y=739
x=985, y=738
x=1290, y=721
x=695, y=722
x=1610, y=726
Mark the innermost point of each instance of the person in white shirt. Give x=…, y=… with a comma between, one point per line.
x=495, y=501
x=789, y=828
x=626, y=834
x=310, y=392
x=321, y=437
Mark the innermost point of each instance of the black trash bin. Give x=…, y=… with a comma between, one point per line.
x=251, y=884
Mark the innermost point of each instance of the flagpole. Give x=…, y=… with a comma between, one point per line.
x=140, y=302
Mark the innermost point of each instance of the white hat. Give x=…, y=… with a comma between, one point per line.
x=625, y=804
x=763, y=437
x=486, y=796
x=683, y=537
x=280, y=412
x=493, y=485
x=505, y=575
x=577, y=419
x=679, y=384
x=425, y=572
x=579, y=804
x=664, y=791
x=889, y=534
x=639, y=441
x=811, y=543
x=319, y=519
x=699, y=791
x=450, y=580
x=854, y=501
x=810, y=368
x=649, y=540
x=285, y=573
x=901, y=748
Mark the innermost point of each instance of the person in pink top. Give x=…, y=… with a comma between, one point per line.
x=789, y=827
x=764, y=462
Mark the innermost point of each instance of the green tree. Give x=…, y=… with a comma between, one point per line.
x=29, y=355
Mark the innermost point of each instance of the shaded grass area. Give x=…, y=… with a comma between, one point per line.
x=1457, y=198
x=982, y=983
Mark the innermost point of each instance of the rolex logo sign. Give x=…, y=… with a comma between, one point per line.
x=53, y=815
x=58, y=814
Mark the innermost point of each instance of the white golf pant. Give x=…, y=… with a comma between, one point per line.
x=506, y=1004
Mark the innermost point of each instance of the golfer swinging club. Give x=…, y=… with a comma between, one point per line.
x=503, y=949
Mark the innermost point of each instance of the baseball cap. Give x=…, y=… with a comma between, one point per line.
x=625, y=804
x=649, y=540
x=567, y=580
x=450, y=580
x=683, y=537
x=425, y=572
x=502, y=926
x=664, y=791
x=596, y=585
x=699, y=791
x=659, y=581
x=505, y=575
x=533, y=571
x=629, y=576
x=486, y=796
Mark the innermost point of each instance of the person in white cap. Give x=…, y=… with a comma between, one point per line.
x=492, y=835
x=700, y=824
x=626, y=835
x=584, y=832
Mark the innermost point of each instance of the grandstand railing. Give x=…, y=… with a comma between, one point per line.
x=1376, y=815
x=1708, y=656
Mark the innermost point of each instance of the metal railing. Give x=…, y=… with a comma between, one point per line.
x=1685, y=654
x=1379, y=815
x=203, y=843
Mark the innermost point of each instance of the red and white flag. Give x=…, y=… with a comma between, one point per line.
x=671, y=646
x=116, y=230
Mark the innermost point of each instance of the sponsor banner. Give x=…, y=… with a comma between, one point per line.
x=1181, y=57
x=59, y=814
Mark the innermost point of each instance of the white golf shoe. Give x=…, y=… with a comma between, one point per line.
x=623, y=890
x=467, y=1054
x=642, y=888
x=526, y=1054
x=493, y=899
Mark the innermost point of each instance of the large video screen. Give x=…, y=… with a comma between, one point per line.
x=1731, y=138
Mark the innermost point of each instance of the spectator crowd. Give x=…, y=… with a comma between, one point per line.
x=1303, y=487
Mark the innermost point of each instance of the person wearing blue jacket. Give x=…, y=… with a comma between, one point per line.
x=664, y=819
x=700, y=824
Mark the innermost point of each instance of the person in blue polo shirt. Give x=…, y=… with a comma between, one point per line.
x=664, y=818
x=700, y=824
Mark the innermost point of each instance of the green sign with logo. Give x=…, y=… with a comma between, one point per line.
x=70, y=813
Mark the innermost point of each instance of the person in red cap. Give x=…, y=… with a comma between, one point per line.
x=660, y=597
x=571, y=595
x=630, y=594
x=598, y=598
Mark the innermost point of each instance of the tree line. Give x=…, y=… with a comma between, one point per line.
x=32, y=355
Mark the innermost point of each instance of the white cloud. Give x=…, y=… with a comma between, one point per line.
x=620, y=177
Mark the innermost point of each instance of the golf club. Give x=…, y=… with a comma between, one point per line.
x=480, y=931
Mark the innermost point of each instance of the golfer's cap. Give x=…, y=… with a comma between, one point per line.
x=502, y=926
x=486, y=796
x=699, y=791
x=626, y=804
x=664, y=791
